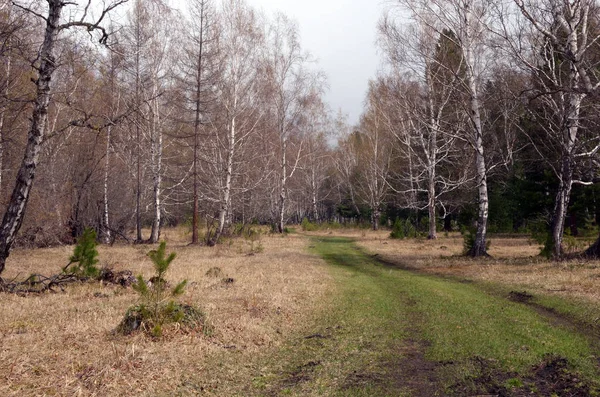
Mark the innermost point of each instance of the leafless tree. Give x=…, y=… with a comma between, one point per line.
x=45, y=67
x=463, y=22
x=293, y=87
x=375, y=153
x=240, y=41
x=428, y=105
x=199, y=64
x=556, y=42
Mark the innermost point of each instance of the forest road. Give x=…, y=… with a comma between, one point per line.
x=387, y=331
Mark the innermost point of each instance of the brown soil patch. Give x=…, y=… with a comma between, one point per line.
x=415, y=372
x=518, y=296
x=552, y=377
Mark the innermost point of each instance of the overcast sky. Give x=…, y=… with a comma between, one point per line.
x=341, y=35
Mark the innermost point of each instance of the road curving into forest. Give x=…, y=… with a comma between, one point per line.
x=386, y=331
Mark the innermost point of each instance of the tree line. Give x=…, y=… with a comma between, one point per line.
x=483, y=116
x=486, y=111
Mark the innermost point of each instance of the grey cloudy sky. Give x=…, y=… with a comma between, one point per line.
x=341, y=35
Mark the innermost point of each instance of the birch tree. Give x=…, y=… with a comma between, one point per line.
x=316, y=162
x=428, y=133
x=44, y=67
x=240, y=42
x=148, y=37
x=375, y=155
x=292, y=86
x=557, y=43
x=463, y=22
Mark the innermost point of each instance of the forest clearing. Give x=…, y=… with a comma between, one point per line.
x=187, y=211
x=314, y=315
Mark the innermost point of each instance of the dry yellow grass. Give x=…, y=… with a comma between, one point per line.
x=514, y=261
x=61, y=344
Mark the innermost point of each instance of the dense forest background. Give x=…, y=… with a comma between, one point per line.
x=483, y=118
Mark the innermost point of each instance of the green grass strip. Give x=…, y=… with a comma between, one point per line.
x=359, y=341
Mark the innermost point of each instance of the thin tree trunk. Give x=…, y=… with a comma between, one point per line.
x=431, y=208
x=282, y=192
x=313, y=185
x=105, y=219
x=13, y=217
x=479, y=245
x=431, y=170
x=138, y=192
x=156, y=147
x=224, y=210
x=197, y=120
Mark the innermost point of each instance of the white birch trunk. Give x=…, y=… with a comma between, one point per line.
x=479, y=245
x=282, y=191
x=13, y=217
x=314, y=192
x=226, y=198
x=561, y=203
x=197, y=120
x=156, y=147
x=105, y=218
x=431, y=155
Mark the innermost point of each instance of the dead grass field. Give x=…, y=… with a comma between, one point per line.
x=514, y=261
x=62, y=343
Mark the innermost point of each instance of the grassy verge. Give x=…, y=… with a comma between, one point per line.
x=477, y=342
x=348, y=347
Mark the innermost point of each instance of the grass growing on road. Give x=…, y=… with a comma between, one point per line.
x=470, y=335
x=348, y=348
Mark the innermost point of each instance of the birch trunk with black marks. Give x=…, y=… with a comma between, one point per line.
x=571, y=129
x=156, y=148
x=431, y=156
x=561, y=202
x=479, y=245
x=226, y=198
x=13, y=217
x=105, y=213
x=138, y=132
x=282, y=188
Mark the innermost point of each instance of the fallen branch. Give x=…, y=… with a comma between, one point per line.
x=38, y=284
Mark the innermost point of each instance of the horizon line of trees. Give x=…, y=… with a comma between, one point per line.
x=484, y=116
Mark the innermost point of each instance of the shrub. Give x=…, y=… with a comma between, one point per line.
x=85, y=256
x=308, y=226
x=158, y=305
x=403, y=229
x=469, y=236
x=397, y=230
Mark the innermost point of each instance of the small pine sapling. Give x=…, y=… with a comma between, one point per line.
x=158, y=305
x=85, y=255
